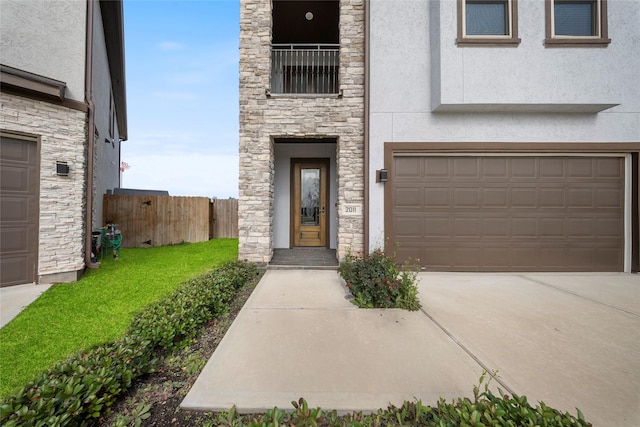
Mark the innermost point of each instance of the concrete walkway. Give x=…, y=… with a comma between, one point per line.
x=570, y=340
x=13, y=299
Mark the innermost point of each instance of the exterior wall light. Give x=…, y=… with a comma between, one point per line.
x=382, y=175
x=62, y=168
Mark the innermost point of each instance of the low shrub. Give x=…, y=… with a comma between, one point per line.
x=81, y=389
x=376, y=281
x=172, y=321
x=485, y=409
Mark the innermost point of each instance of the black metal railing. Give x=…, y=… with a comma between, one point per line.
x=305, y=68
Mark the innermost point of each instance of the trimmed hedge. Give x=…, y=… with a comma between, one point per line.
x=79, y=390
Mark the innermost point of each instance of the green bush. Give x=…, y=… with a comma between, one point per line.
x=376, y=281
x=172, y=321
x=485, y=409
x=80, y=389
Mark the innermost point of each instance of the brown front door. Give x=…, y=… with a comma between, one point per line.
x=309, y=201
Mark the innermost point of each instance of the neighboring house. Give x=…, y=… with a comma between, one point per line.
x=62, y=122
x=469, y=135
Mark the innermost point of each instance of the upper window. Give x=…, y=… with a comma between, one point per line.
x=487, y=22
x=576, y=23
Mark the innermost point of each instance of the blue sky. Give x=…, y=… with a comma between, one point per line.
x=182, y=96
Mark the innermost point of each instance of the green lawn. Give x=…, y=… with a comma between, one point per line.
x=71, y=317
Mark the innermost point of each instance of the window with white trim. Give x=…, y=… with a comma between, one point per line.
x=576, y=23
x=487, y=22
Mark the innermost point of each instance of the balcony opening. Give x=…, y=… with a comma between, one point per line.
x=305, y=47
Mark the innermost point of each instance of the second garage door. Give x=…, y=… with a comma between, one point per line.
x=518, y=213
x=19, y=183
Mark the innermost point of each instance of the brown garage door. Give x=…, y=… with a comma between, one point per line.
x=508, y=213
x=18, y=211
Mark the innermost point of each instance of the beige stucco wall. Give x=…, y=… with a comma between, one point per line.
x=264, y=118
x=106, y=156
x=62, y=135
x=46, y=38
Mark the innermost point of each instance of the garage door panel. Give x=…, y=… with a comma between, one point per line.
x=466, y=257
x=15, y=178
x=523, y=167
x=609, y=167
x=466, y=167
x=496, y=198
x=466, y=227
x=408, y=227
x=523, y=258
x=608, y=228
x=437, y=197
x=524, y=228
x=551, y=198
x=552, y=228
x=547, y=214
x=466, y=198
x=552, y=257
x=608, y=198
x=581, y=228
x=495, y=228
x=14, y=269
x=524, y=197
x=494, y=167
x=16, y=151
x=495, y=258
x=438, y=257
x=410, y=197
x=580, y=198
x=437, y=227
x=580, y=258
x=408, y=167
x=607, y=256
x=435, y=168
x=14, y=240
x=14, y=208
x=580, y=167
x=551, y=167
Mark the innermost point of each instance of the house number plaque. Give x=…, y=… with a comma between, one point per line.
x=351, y=210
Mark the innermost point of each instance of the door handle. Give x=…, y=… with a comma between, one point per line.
x=322, y=210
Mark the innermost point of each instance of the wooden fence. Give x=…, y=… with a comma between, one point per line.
x=166, y=220
x=223, y=218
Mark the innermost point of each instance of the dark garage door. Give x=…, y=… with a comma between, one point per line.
x=18, y=211
x=508, y=213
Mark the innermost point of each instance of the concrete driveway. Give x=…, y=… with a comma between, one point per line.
x=13, y=299
x=570, y=340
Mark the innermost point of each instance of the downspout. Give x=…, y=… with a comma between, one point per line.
x=88, y=96
x=366, y=125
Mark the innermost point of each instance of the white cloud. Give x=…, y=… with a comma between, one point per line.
x=170, y=45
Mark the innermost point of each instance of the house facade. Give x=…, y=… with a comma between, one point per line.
x=62, y=121
x=301, y=126
x=496, y=136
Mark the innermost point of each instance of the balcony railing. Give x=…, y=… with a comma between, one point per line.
x=305, y=68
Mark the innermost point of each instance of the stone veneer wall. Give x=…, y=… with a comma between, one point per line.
x=62, y=134
x=264, y=118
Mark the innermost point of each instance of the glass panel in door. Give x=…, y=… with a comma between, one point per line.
x=309, y=203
